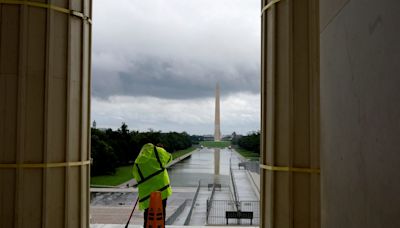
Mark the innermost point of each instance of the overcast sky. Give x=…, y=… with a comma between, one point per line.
x=156, y=64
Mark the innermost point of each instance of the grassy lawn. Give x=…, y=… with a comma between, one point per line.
x=211, y=144
x=247, y=154
x=179, y=153
x=122, y=174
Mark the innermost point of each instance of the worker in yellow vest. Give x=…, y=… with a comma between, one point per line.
x=151, y=175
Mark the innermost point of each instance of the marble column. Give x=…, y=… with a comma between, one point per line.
x=44, y=113
x=290, y=179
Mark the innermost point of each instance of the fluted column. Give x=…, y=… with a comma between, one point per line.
x=290, y=189
x=44, y=113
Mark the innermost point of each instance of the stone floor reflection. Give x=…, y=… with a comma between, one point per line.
x=109, y=207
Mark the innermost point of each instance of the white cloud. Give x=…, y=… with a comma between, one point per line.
x=213, y=31
x=156, y=63
x=239, y=113
x=190, y=41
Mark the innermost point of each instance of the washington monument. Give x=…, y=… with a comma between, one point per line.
x=217, y=132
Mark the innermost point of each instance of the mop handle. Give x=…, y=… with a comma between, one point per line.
x=132, y=213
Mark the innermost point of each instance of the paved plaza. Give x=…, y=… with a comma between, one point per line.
x=113, y=206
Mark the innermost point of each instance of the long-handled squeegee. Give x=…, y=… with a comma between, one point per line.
x=132, y=213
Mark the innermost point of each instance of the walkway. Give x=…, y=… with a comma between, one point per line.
x=200, y=208
x=114, y=205
x=246, y=187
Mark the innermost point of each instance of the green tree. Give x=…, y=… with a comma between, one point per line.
x=250, y=142
x=235, y=138
x=111, y=149
x=104, y=159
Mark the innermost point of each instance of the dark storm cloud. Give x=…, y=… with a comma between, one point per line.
x=175, y=80
x=169, y=55
x=175, y=49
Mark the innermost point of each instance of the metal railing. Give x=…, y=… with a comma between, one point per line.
x=252, y=166
x=218, y=209
x=209, y=202
x=171, y=219
x=187, y=221
x=233, y=184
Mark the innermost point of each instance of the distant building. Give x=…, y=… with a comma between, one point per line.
x=208, y=137
x=226, y=138
x=94, y=124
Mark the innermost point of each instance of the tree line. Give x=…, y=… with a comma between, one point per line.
x=250, y=142
x=111, y=149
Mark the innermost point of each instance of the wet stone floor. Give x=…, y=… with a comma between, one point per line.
x=207, y=166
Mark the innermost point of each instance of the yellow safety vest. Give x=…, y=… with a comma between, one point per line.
x=150, y=173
